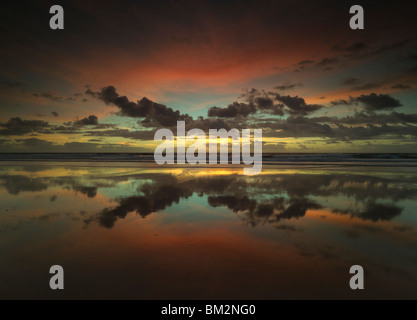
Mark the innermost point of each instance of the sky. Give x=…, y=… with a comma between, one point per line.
x=120, y=70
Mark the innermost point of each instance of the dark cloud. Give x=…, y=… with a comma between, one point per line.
x=297, y=105
x=153, y=112
x=371, y=117
x=73, y=127
x=17, y=126
x=55, y=114
x=264, y=102
x=34, y=142
x=91, y=120
x=360, y=50
x=367, y=86
x=237, y=114
x=53, y=97
x=156, y=114
x=349, y=49
x=349, y=133
x=326, y=62
x=299, y=126
x=67, y=128
x=48, y=95
x=257, y=102
x=44, y=146
x=235, y=109
x=356, y=84
x=346, y=54
x=303, y=65
x=401, y=86
x=372, y=102
x=376, y=102
x=288, y=86
x=350, y=81
x=215, y=123
x=342, y=102
x=361, y=126
x=305, y=62
x=390, y=47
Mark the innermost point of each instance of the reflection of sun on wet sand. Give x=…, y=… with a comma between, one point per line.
x=292, y=231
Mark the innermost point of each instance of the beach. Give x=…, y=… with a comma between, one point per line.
x=137, y=230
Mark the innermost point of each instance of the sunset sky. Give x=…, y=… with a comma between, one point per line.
x=120, y=70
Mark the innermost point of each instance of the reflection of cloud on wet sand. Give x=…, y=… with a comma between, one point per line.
x=375, y=212
x=15, y=184
x=269, y=198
